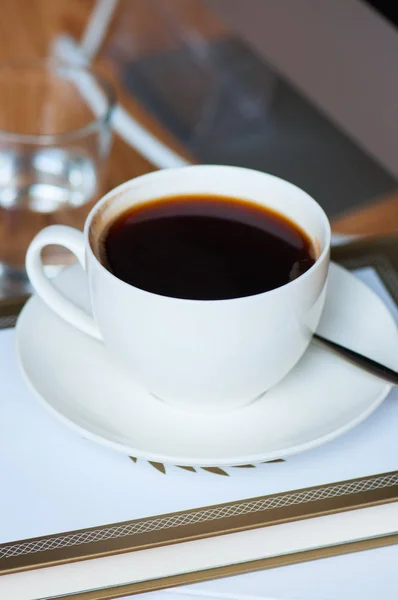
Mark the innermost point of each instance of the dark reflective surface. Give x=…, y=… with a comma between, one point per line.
x=231, y=108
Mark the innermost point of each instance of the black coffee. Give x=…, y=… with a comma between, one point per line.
x=205, y=248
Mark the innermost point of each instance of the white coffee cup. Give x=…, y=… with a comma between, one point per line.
x=194, y=354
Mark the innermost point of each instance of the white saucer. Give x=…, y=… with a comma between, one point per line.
x=320, y=399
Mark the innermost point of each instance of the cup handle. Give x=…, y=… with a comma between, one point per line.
x=73, y=240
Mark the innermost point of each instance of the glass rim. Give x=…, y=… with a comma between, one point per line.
x=66, y=136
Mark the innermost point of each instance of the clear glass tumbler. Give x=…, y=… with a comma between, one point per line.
x=55, y=137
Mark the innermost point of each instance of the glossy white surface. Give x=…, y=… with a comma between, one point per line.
x=320, y=399
x=208, y=356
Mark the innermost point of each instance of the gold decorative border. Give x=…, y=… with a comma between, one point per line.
x=382, y=266
x=379, y=253
x=213, y=513
x=195, y=524
x=9, y=311
x=215, y=520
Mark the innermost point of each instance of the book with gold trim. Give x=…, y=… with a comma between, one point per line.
x=82, y=521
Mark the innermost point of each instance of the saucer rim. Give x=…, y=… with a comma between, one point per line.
x=253, y=459
x=192, y=461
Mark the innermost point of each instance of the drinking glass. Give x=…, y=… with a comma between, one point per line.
x=55, y=137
